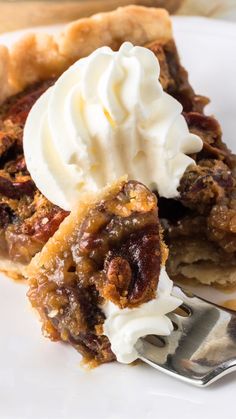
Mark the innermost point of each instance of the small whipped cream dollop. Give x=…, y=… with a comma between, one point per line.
x=107, y=116
x=124, y=327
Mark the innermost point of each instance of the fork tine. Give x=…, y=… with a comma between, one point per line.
x=201, y=349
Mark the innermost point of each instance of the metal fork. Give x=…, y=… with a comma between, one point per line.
x=202, y=347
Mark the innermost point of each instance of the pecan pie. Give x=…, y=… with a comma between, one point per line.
x=109, y=248
x=199, y=226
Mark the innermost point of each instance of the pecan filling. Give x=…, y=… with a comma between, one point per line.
x=27, y=218
x=112, y=252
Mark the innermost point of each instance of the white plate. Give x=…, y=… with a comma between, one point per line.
x=40, y=379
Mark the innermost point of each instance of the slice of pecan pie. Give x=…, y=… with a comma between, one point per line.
x=199, y=226
x=28, y=219
x=110, y=248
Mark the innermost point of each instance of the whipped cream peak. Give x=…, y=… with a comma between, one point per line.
x=107, y=116
x=124, y=327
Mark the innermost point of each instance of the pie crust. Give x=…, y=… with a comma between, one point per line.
x=39, y=56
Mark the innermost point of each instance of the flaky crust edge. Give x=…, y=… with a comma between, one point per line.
x=39, y=56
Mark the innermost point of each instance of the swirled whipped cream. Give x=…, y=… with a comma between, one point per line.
x=124, y=327
x=107, y=116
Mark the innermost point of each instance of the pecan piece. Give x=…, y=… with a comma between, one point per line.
x=119, y=275
x=15, y=189
x=18, y=107
x=222, y=227
x=6, y=142
x=132, y=270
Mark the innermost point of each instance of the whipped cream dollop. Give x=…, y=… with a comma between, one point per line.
x=107, y=116
x=124, y=327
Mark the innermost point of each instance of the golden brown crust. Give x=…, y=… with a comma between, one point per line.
x=40, y=56
x=136, y=24
x=5, y=89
